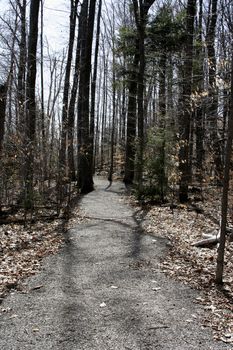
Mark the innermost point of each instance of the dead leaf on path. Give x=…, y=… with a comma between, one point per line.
x=103, y=305
x=114, y=287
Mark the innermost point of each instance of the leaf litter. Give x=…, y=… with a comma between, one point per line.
x=22, y=249
x=193, y=265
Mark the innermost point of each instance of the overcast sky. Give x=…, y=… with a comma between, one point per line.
x=56, y=21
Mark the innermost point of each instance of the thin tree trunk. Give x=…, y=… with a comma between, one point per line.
x=162, y=125
x=198, y=83
x=3, y=91
x=141, y=9
x=221, y=249
x=22, y=66
x=130, y=148
x=93, y=84
x=113, y=110
x=186, y=112
x=64, y=127
x=71, y=114
x=43, y=127
x=213, y=93
x=104, y=108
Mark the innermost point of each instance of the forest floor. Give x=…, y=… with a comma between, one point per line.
x=107, y=288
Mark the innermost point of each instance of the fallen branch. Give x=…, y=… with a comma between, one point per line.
x=207, y=242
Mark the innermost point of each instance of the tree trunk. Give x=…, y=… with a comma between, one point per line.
x=43, y=127
x=74, y=89
x=141, y=9
x=227, y=166
x=199, y=86
x=213, y=93
x=22, y=67
x=93, y=85
x=31, y=103
x=104, y=109
x=110, y=174
x=162, y=125
x=130, y=148
x=3, y=91
x=62, y=153
x=85, y=179
x=186, y=111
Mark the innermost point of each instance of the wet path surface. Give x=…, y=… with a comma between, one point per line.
x=105, y=290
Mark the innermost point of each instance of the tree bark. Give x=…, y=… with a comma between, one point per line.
x=186, y=108
x=199, y=85
x=22, y=65
x=227, y=166
x=130, y=148
x=85, y=176
x=62, y=153
x=93, y=85
x=3, y=91
x=31, y=103
x=213, y=93
x=141, y=9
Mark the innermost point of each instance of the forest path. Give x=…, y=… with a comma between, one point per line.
x=105, y=290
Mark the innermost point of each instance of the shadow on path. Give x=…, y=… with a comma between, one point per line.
x=105, y=290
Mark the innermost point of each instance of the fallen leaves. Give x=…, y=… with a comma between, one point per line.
x=22, y=249
x=196, y=266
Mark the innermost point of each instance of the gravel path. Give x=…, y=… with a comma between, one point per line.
x=104, y=291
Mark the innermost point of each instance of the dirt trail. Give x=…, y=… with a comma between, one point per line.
x=104, y=291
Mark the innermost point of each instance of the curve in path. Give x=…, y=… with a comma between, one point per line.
x=105, y=290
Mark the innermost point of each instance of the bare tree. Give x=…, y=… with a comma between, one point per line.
x=31, y=102
x=85, y=178
x=141, y=9
x=186, y=109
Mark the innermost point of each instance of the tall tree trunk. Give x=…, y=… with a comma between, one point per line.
x=62, y=152
x=213, y=92
x=43, y=127
x=74, y=89
x=162, y=125
x=130, y=147
x=104, y=109
x=22, y=66
x=31, y=103
x=141, y=9
x=3, y=92
x=199, y=86
x=85, y=178
x=93, y=84
x=227, y=166
x=110, y=174
x=186, y=112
